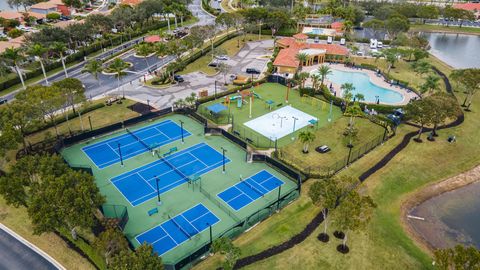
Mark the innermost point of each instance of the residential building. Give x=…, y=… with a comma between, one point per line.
x=473, y=7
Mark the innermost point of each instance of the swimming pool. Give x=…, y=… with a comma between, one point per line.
x=363, y=85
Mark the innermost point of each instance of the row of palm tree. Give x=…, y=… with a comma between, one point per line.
x=15, y=57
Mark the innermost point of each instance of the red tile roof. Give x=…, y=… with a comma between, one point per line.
x=152, y=39
x=286, y=57
x=300, y=36
x=131, y=2
x=468, y=6
x=337, y=25
x=11, y=15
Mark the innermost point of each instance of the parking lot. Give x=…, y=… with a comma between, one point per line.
x=253, y=55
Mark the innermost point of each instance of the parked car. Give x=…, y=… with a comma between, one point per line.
x=221, y=57
x=178, y=78
x=322, y=149
x=253, y=71
x=3, y=101
x=214, y=63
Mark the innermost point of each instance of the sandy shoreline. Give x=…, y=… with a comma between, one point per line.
x=429, y=192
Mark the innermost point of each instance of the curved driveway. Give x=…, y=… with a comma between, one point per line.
x=15, y=254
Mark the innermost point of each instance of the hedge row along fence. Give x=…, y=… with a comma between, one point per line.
x=79, y=56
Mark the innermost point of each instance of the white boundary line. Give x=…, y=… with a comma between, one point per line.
x=181, y=214
x=32, y=247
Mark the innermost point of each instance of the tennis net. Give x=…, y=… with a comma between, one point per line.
x=244, y=181
x=138, y=139
x=219, y=204
x=179, y=227
x=175, y=169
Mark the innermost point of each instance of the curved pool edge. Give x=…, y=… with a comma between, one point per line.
x=377, y=81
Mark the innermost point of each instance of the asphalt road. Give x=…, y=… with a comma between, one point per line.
x=204, y=18
x=15, y=255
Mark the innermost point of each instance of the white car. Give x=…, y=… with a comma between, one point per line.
x=379, y=44
x=222, y=57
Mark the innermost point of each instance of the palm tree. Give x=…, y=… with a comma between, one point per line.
x=302, y=77
x=117, y=66
x=359, y=97
x=391, y=58
x=347, y=28
x=14, y=56
x=324, y=71
x=315, y=79
x=59, y=48
x=38, y=52
x=347, y=89
x=306, y=137
x=302, y=58
x=144, y=50
x=93, y=67
x=430, y=84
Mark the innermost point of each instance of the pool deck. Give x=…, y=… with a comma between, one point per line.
x=378, y=80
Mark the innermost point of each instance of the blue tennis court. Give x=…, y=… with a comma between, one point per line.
x=139, y=185
x=106, y=153
x=179, y=229
x=250, y=189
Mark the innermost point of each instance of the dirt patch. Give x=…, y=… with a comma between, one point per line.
x=428, y=192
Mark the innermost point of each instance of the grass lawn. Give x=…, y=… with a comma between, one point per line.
x=230, y=46
x=384, y=244
x=403, y=70
x=17, y=220
x=275, y=92
x=99, y=118
x=225, y=6
x=441, y=28
x=331, y=135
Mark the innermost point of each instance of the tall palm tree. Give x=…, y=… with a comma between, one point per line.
x=302, y=77
x=14, y=56
x=347, y=89
x=324, y=71
x=302, y=58
x=118, y=66
x=431, y=84
x=59, y=48
x=144, y=49
x=94, y=67
x=347, y=28
x=306, y=137
x=315, y=79
x=38, y=52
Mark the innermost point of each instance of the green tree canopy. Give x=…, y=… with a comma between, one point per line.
x=143, y=258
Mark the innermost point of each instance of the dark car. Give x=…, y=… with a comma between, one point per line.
x=322, y=149
x=178, y=78
x=3, y=101
x=253, y=71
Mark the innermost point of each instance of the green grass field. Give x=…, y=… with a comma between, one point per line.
x=183, y=196
x=440, y=28
x=277, y=93
x=384, y=244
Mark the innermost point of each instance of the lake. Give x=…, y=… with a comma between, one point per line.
x=451, y=218
x=457, y=50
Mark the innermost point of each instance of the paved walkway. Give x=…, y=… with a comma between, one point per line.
x=18, y=253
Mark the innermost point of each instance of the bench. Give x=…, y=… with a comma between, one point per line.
x=110, y=101
x=236, y=133
x=173, y=149
x=152, y=211
x=279, y=104
x=249, y=140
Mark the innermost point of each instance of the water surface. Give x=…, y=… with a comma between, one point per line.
x=457, y=50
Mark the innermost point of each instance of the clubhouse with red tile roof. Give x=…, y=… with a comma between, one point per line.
x=287, y=62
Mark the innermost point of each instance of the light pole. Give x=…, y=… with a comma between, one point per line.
x=120, y=154
x=210, y=227
x=159, y=202
x=181, y=130
x=148, y=104
x=215, y=93
x=294, y=122
x=223, y=157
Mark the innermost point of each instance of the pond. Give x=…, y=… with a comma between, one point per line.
x=457, y=50
x=451, y=218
